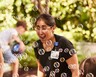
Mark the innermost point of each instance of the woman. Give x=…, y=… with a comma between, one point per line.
x=56, y=56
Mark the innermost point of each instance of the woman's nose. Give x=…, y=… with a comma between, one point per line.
x=40, y=31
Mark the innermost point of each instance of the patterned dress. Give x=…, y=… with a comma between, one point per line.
x=54, y=62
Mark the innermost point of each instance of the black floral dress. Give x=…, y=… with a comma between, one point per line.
x=54, y=62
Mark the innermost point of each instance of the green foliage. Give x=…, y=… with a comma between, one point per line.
x=29, y=37
x=80, y=58
x=74, y=14
x=27, y=59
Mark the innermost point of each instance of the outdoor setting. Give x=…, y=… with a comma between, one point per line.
x=75, y=21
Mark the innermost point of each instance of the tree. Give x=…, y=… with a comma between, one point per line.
x=41, y=8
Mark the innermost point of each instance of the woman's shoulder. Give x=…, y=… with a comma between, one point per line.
x=37, y=44
x=64, y=41
x=61, y=38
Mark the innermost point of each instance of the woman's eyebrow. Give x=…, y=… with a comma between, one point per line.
x=44, y=25
x=41, y=25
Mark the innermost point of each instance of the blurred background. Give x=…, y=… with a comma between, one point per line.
x=75, y=19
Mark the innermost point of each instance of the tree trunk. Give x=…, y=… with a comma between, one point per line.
x=40, y=7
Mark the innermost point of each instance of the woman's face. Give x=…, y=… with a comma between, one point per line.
x=44, y=31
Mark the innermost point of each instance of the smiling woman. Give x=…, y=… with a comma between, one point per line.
x=56, y=56
x=45, y=27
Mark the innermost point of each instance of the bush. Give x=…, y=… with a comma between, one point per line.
x=27, y=59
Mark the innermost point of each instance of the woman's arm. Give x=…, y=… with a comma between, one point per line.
x=40, y=72
x=73, y=65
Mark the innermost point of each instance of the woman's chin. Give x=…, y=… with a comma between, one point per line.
x=43, y=39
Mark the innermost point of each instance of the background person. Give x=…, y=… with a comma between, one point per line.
x=56, y=56
x=6, y=37
x=88, y=67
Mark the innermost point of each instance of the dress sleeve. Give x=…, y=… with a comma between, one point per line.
x=68, y=48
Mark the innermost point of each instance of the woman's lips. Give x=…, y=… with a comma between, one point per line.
x=42, y=37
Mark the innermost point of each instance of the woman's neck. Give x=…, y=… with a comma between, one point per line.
x=49, y=44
